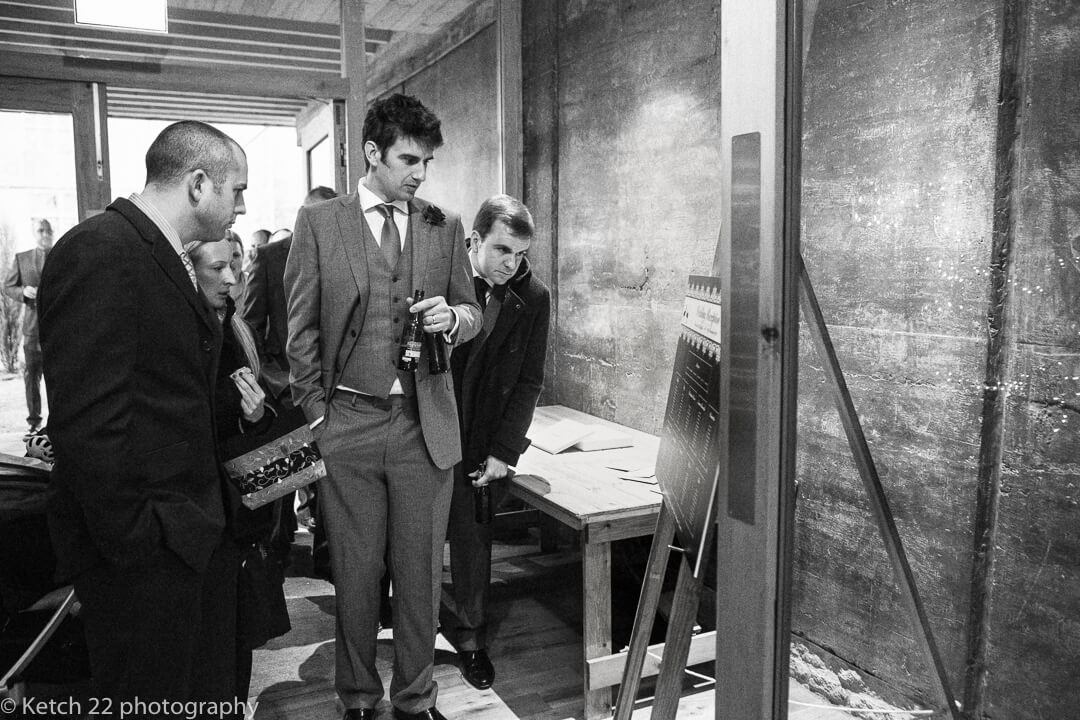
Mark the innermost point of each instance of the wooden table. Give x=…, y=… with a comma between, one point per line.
x=580, y=490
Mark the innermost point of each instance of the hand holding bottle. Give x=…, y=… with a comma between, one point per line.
x=435, y=313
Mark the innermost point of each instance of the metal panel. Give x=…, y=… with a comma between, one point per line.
x=760, y=76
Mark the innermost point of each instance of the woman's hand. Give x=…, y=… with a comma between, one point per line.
x=252, y=397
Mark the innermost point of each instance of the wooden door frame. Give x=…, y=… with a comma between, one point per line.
x=86, y=103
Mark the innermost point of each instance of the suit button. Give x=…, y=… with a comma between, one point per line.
x=207, y=345
x=397, y=299
x=397, y=319
x=394, y=278
x=352, y=333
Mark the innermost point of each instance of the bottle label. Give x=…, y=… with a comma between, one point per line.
x=411, y=350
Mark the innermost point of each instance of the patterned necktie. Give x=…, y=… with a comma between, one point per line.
x=390, y=239
x=190, y=269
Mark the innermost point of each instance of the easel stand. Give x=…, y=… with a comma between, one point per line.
x=687, y=591
x=677, y=643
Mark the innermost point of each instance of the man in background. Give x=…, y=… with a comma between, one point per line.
x=262, y=307
x=21, y=284
x=236, y=262
x=498, y=376
x=258, y=239
x=130, y=349
x=389, y=436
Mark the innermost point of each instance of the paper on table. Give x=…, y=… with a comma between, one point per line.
x=558, y=436
x=604, y=438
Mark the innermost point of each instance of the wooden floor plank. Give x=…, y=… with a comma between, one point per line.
x=536, y=648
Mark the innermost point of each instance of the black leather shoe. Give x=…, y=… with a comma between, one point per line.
x=477, y=669
x=359, y=714
x=432, y=713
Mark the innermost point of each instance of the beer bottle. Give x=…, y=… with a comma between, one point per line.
x=412, y=339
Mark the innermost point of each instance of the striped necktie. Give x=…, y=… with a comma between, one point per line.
x=190, y=269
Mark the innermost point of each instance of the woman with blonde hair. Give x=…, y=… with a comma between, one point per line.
x=243, y=413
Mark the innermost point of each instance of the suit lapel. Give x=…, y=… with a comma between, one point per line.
x=491, y=342
x=167, y=258
x=421, y=246
x=351, y=235
x=511, y=309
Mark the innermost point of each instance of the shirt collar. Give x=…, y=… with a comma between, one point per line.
x=159, y=220
x=369, y=200
x=476, y=273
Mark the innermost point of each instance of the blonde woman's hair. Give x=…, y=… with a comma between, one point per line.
x=241, y=330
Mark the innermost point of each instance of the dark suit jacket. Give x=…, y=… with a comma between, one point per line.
x=26, y=271
x=326, y=277
x=263, y=308
x=130, y=353
x=498, y=377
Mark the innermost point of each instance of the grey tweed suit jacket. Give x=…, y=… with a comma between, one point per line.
x=326, y=280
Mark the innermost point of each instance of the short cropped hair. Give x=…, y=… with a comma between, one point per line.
x=189, y=145
x=511, y=211
x=319, y=193
x=400, y=116
x=43, y=224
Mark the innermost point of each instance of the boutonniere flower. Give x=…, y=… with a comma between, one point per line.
x=434, y=216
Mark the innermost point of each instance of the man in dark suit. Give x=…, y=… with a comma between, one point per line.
x=263, y=308
x=498, y=376
x=130, y=349
x=21, y=284
x=389, y=436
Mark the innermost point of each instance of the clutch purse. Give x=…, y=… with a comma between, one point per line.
x=277, y=468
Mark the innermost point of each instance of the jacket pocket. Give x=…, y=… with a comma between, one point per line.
x=165, y=463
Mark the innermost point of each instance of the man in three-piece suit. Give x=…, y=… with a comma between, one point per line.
x=498, y=376
x=22, y=284
x=130, y=348
x=389, y=437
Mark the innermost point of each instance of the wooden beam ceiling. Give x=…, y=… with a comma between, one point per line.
x=266, y=59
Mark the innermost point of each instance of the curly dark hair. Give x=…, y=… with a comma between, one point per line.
x=398, y=116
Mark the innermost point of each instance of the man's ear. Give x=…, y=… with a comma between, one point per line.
x=371, y=152
x=198, y=184
x=473, y=241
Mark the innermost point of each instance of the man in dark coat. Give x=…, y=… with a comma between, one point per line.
x=130, y=349
x=498, y=376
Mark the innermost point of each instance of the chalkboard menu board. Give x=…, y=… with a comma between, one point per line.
x=688, y=463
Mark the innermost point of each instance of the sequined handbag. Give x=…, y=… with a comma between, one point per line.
x=277, y=468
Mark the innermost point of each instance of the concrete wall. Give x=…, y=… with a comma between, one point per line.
x=461, y=90
x=941, y=233
x=622, y=164
x=1034, y=620
x=936, y=233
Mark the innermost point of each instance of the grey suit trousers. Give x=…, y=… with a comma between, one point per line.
x=381, y=487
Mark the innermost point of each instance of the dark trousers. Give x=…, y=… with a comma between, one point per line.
x=382, y=491
x=162, y=632
x=463, y=613
x=32, y=379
